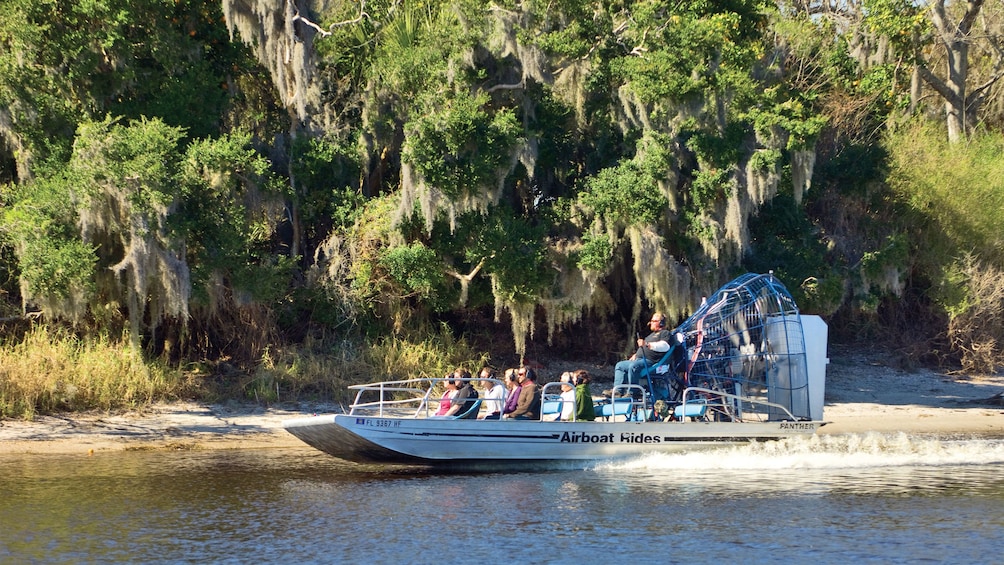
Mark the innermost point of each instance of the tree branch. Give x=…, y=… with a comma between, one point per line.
x=357, y=19
x=979, y=90
x=469, y=277
x=938, y=17
x=514, y=86
x=972, y=10
x=326, y=32
x=465, y=280
x=28, y=316
x=937, y=84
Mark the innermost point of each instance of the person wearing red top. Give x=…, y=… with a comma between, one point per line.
x=447, y=399
x=464, y=400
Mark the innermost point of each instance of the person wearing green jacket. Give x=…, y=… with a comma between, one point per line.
x=583, y=397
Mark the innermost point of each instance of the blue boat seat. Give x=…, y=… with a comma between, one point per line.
x=641, y=414
x=693, y=410
x=471, y=413
x=661, y=377
x=550, y=406
x=617, y=407
x=659, y=368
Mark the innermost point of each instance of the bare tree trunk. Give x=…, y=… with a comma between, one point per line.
x=915, y=92
x=955, y=37
x=955, y=105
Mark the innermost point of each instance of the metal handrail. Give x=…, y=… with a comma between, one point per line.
x=422, y=393
x=561, y=402
x=725, y=395
x=630, y=398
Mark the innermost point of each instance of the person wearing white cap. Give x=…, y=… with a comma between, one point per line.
x=567, y=397
x=494, y=394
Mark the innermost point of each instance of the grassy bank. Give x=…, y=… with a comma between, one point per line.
x=50, y=370
x=322, y=371
x=47, y=371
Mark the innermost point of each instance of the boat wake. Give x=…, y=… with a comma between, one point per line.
x=853, y=451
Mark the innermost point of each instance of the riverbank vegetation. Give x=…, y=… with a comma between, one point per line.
x=267, y=200
x=53, y=370
x=43, y=372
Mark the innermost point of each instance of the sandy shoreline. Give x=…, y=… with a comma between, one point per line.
x=862, y=395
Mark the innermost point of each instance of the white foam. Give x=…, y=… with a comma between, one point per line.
x=852, y=451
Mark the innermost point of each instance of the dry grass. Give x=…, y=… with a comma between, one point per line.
x=52, y=370
x=323, y=371
x=49, y=371
x=977, y=331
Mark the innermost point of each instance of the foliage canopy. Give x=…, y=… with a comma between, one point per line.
x=198, y=171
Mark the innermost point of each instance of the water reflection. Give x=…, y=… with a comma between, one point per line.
x=880, y=499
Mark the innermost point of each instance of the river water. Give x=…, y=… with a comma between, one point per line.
x=829, y=499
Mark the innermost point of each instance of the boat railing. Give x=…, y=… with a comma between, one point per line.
x=551, y=403
x=414, y=397
x=384, y=398
x=634, y=404
x=629, y=401
x=726, y=406
x=385, y=392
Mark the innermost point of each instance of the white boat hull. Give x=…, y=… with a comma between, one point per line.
x=431, y=441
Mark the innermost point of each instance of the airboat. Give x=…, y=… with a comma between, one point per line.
x=748, y=368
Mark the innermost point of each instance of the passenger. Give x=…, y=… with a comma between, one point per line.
x=465, y=397
x=528, y=404
x=494, y=394
x=567, y=399
x=583, y=397
x=650, y=351
x=512, y=391
x=446, y=401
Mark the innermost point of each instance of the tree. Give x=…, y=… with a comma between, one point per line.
x=948, y=37
x=124, y=181
x=97, y=236
x=632, y=138
x=66, y=61
x=956, y=36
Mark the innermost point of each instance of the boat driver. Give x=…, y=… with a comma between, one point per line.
x=650, y=351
